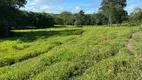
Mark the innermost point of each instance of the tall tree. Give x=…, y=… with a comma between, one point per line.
x=111, y=7
x=120, y=15
x=8, y=10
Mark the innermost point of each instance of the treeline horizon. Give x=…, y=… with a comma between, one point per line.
x=30, y=19
x=110, y=12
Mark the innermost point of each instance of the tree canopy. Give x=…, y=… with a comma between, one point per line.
x=113, y=9
x=8, y=9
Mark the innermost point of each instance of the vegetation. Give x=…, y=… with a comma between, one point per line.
x=136, y=17
x=28, y=20
x=113, y=10
x=68, y=53
x=137, y=43
x=8, y=8
x=70, y=46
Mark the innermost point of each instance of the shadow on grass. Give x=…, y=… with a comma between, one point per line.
x=59, y=26
x=31, y=36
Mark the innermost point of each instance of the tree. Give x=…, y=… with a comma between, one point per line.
x=59, y=21
x=87, y=19
x=80, y=18
x=136, y=16
x=93, y=19
x=67, y=17
x=44, y=21
x=111, y=7
x=120, y=15
x=13, y=3
x=8, y=11
x=98, y=19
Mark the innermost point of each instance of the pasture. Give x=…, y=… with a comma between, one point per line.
x=88, y=53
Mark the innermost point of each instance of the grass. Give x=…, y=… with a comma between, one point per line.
x=27, y=46
x=89, y=53
x=137, y=43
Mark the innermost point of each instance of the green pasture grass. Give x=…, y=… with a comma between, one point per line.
x=137, y=43
x=29, y=43
x=88, y=53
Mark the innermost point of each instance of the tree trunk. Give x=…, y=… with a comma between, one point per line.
x=110, y=21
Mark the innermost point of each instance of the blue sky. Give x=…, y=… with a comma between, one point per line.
x=57, y=6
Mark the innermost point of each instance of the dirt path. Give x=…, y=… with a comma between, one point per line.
x=130, y=47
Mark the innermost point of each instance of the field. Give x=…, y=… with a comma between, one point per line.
x=88, y=53
x=137, y=43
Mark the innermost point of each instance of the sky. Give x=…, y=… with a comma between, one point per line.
x=74, y=6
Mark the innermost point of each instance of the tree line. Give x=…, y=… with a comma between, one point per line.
x=110, y=12
x=79, y=19
x=28, y=19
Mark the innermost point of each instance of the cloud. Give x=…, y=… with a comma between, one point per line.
x=38, y=2
x=35, y=2
x=57, y=6
x=45, y=7
x=76, y=8
x=51, y=8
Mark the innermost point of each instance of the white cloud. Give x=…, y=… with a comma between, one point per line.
x=45, y=7
x=37, y=2
x=77, y=8
x=34, y=2
x=51, y=9
x=57, y=6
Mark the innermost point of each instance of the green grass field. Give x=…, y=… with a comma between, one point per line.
x=88, y=53
x=137, y=43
